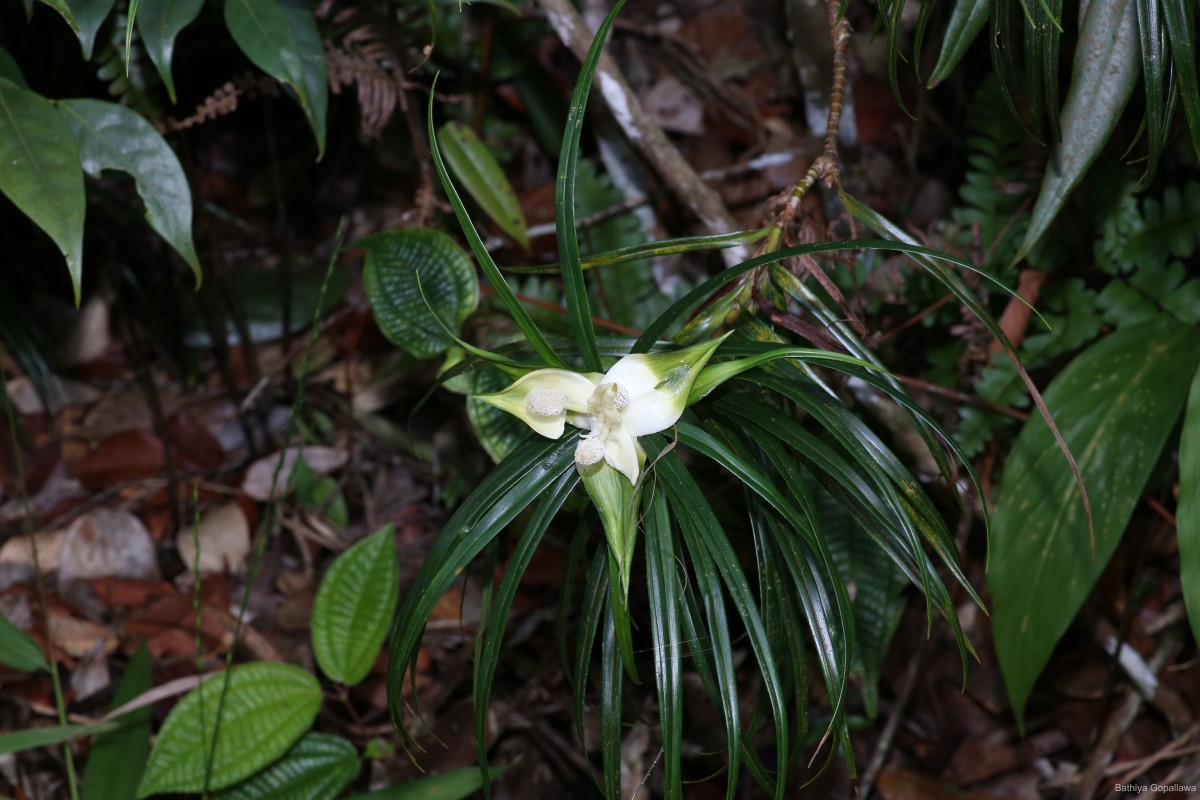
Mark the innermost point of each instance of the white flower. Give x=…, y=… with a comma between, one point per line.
x=640, y=395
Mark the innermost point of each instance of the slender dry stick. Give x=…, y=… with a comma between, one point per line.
x=51, y=659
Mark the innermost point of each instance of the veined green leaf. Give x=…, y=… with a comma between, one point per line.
x=41, y=174
x=402, y=265
x=1116, y=403
x=353, y=607
x=1103, y=78
x=476, y=169
x=89, y=15
x=18, y=649
x=111, y=136
x=268, y=705
x=1187, y=516
x=966, y=21
x=118, y=757
x=318, y=767
x=159, y=23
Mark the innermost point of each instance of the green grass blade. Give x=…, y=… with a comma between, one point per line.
x=493, y=632
x=641, y=252
x=662, y=583
x=1180, y=17
x=514, y=485
x=503, y=291
x=578, y=305
x=611, y=685
x=589, y=624
x=966, y=21
x=114, y=769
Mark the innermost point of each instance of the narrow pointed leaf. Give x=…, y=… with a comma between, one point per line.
x=314, y=74
x=1103, y=78
x=111, y=136
x=159, y=24
x=476, y=169
x=1180, y=17
x=662, y=581
x=1187, y=517
x=353, y=607
x=1116, y=403
x=504, y=292
x=268, y=705
x=611, y=685
x=89, y=15
x=118, y=757
x=1155, y=71
x=18, y=650
x=41, y=174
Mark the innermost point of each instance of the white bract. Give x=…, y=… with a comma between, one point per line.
x=640, y=395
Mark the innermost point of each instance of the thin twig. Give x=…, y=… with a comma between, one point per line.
x=893, y=724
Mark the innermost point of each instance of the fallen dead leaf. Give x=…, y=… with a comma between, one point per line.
x=19, y=550
x=224, y=538
x=107, y=543
x=77, y=637
x=125, y=456
x=59, y=393
x=260, y=478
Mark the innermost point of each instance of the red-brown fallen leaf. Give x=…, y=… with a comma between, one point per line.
x=124, y=456
x=176, y=643
x=195, y=446
x=78, y=637
x=128, y=592
x=980, y=757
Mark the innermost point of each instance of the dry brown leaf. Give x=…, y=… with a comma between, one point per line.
x=224, y=538
x=260, y=478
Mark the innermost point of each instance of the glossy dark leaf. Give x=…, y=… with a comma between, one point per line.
x=89, y=15
x=966, y=21
x=476, y=169
x=18, y=650
x=159, y=23
x=41, y=174
x=111, y=136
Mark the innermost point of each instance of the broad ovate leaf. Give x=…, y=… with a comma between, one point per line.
x=1187, y=516
x=1105, y=72
x=477, y=171
x=353, y=607
x=415, y=277
x=268, y=706
x=89, y=15
x=1115, y=404
x=111, y=136
x=41, y=173
x=283, y=42
x=159, y=23
x=318, y=767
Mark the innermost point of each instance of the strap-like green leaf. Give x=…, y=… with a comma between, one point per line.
x=1187, y=515
x=18, y=650
x=159, y=23
x=41, y=174
x=111, y=136
x=1180, y=17
x=493, y=631
x=318, y=767
x=118, y=757
x=1116, y=404
x=662, y=583
x=1103, y=78
x=611, y=684
x=504, y=292
x=476, y=169
x=578, y=305
x=1155, y=65
x=353, y=607
x=511, y=487
x=267, y=707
